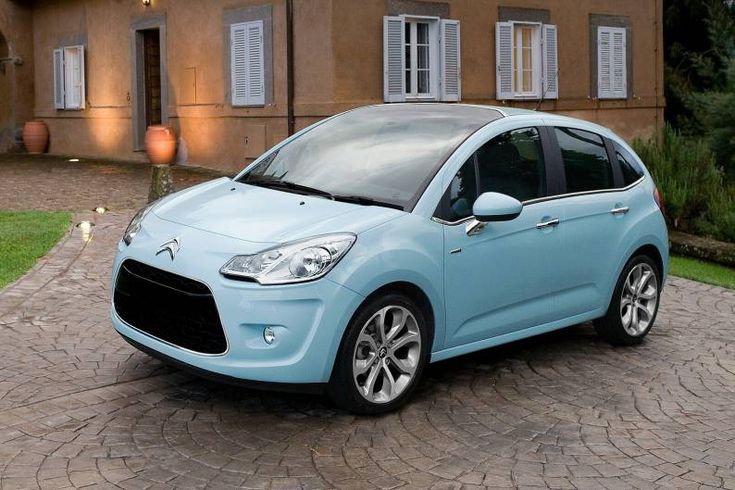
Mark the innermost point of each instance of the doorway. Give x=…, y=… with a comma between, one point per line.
x=149, y=79
x=152, y=75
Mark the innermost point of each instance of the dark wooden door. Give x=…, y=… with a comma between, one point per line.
x=152, y=70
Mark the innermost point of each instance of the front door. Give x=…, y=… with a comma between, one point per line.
x=498, y=279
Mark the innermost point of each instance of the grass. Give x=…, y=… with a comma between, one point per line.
x=25, y=237
x=718, y=275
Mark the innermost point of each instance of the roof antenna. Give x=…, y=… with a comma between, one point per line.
x=543, y=92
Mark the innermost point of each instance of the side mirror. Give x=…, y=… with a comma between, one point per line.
x=493, y=206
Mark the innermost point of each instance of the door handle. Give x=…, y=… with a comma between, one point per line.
x=547, y=224
x=620, y=210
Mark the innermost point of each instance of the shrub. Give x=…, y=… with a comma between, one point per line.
x=695, y=197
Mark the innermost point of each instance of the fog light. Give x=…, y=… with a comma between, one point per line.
x=269, y=335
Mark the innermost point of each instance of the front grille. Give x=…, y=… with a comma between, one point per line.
x=170, y=307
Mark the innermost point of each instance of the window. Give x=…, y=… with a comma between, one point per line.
x=612, y=78
x=421, y=59
x=69, y=77
x=628, y=165
x=418, y=59
x=586, y=165
x=247, y=66
x=513, y=164
x=462, y=193
x=526, y=60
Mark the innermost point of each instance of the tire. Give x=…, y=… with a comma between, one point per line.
x=374, y=374
x=632, y=311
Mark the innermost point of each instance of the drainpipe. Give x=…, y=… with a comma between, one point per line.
x=289, y=67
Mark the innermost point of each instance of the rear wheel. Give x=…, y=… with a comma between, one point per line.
x=381, y=357
x=634, y=304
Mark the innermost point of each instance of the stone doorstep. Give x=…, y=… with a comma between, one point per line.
x=702, y=248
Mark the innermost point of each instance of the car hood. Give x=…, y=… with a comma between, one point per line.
x=269, y=216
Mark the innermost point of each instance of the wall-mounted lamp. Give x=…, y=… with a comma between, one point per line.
x=146, y=2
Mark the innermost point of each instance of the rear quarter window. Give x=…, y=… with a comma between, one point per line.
x=629, y=167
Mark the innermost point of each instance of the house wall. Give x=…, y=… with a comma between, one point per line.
x=16, y=80
x=358, y=63
x=338, y=65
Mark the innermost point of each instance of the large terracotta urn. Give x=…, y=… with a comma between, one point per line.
x=35, y=136
x=160, y=144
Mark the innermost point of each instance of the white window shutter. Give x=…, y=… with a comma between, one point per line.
x=450, y=61
x=256, y=75
x=612, y=74
x=619, y=67
x=504, y=60
x=74, y=77
x=550, y=88
x=58, y=79
x=394, y=64
x=238, y=64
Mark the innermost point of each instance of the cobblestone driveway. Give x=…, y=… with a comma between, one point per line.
x=78, y=406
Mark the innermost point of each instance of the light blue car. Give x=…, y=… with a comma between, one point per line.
x=378, y=240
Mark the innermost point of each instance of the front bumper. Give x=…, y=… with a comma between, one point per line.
x=308, y=318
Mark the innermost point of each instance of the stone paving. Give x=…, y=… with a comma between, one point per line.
x=79, y=407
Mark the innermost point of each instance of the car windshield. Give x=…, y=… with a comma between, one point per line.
x=374, y=155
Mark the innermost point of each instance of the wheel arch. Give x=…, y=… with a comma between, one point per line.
x=652, y=251
x=416, y=294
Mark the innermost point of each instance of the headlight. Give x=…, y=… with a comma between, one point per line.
x=299, y=261
x=134, y=226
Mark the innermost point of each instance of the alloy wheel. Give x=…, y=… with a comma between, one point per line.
x=639, y=299
x=386, y=354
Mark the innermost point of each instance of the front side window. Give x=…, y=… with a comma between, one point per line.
x=387, y=153
x=462, y=193
x=513, y=164
x=628, y=166
x=586, y=165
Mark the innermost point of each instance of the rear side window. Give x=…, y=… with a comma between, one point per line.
x=586, y=165
x=513, y=164
x=628, y=165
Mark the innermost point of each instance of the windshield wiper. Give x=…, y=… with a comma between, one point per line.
x=291, y=186
x=304, y=189
x=366, y=201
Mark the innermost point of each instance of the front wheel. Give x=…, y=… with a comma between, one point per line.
x=634, y=305
x=381, y=357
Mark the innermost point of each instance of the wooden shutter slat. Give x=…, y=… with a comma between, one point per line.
x=550, y=88
x=58, y=57
x=256, y=79
x=451, y=61
x=611, y=63
x=394, y=81
x=504, y=60
x=238, y=65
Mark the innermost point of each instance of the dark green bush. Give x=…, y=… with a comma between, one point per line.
x=691, y=184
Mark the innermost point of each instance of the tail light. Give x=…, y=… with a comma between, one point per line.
x=657, y=198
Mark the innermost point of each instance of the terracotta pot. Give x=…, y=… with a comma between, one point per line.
x=160, y=144
x=35, y=136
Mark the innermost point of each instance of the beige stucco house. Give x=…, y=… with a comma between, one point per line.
x=233, y=77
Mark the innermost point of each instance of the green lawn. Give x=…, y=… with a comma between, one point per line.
x=697, y=270
x=25, y=237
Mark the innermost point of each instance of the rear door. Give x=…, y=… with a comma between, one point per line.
x=595, y=218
